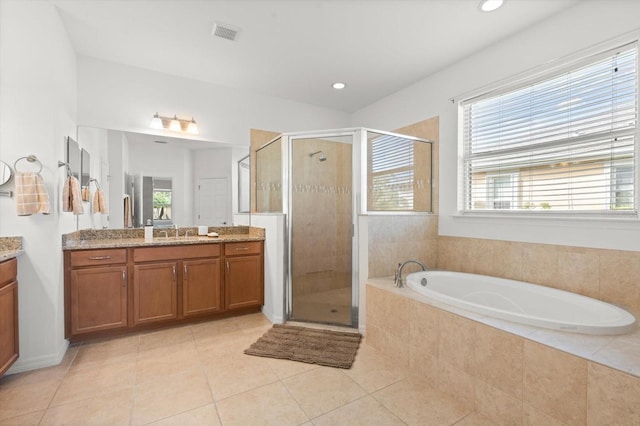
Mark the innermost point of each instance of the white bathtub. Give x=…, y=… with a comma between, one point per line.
x=522, y=302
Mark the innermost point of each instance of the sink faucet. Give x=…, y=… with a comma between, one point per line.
x=175, y=226
x=398, y=278
x=166, y=234
x=186, y=234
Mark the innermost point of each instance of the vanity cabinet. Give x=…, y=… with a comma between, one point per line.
x=113, y=291
x=201, y=291
x=9, y=347
x=163, y=275
x=243, y=286
x=155, y=292
x=97, y=290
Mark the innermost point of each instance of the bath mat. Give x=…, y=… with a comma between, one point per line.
x=310, y=345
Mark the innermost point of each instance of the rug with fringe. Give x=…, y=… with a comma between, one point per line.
x=310, y=345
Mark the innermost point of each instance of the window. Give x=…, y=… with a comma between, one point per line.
x=565, y=143
x=162, y=201
x=399, y=173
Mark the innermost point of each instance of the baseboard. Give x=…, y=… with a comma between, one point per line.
x=28, y=364
x=275, y=319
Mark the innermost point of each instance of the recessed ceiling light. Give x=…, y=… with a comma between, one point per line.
x=490, y=5
x=161, y=142
x=338, y=85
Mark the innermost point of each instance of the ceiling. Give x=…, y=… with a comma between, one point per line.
x=295, y=49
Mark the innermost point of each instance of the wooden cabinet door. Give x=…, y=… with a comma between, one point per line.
x=8, y=325
x=155, y=292
x=200, y=286
x=98, y=299
x=243, y=282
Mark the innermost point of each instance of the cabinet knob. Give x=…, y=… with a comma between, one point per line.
x=242, y=248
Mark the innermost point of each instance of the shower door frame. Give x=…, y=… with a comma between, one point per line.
x=287, y=147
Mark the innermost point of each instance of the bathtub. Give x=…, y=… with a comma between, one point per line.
x=522, y=302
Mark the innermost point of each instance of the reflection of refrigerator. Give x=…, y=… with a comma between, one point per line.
x=142, y=194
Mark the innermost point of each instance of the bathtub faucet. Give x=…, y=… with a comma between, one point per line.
x=398, y=278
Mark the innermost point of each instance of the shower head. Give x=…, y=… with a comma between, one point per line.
x=322, y=156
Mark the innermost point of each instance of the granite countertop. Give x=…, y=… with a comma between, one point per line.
x=10, y=247
x=122, y=238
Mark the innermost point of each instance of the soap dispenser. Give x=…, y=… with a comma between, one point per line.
x=148, y=232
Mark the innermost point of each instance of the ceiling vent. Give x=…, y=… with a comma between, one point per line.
x=226, y=31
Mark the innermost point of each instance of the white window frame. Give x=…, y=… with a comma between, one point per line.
x=532, y=77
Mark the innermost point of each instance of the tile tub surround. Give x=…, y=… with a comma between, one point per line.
x=509, y=373
x=10, y=247
x=112, y=238
x=609, y=275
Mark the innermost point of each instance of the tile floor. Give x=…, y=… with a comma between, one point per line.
x=198, y=375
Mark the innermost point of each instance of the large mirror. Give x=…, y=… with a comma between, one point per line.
x=73, y=158
x=195, y=181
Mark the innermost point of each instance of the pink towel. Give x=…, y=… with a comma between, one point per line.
x=71, y=197
x=31, y=194
x=99, y=205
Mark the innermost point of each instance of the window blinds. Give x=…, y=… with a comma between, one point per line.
x=563, y=144
x=391, y=173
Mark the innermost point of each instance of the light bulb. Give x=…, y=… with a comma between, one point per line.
x=175, y=124
x=156, y=122
x=490, y=5
x=192, y=128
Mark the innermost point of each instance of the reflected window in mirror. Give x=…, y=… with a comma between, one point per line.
x=162, y=201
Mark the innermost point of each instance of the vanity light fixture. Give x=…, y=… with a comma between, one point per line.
x=490, y=5
x=338, y=85
x=174, y=124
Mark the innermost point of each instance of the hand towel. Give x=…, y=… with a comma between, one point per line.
x=31, y=194
x=128, y=218
x=99, y=205
x=71, y=198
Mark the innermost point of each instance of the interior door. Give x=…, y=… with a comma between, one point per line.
x=213, y=194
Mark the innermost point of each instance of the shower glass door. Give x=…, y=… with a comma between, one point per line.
x=321, y=230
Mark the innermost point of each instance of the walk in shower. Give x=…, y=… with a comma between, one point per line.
x=321, y=182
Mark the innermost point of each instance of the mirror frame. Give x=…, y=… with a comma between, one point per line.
x=5, y=177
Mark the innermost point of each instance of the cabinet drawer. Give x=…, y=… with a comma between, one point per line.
x=238, y=249
x=150, y=254
x=8, y=271
x=97, y=257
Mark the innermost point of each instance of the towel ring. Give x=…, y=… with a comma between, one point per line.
x=29, y=158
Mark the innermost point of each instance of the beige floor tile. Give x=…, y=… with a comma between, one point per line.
x=18, y=400
x=322, y=390
x=35, y=376
x=108, y=409
x=106, y=352
x=502, y=408
x=248, y=323
x=88, y=383
x=227, y=345
x=169, y=396
x=363, y=412
x=164, y=338
x=373, y=371
x=165, y=361
x=270, y=405
x=214, y=329
x=417, y=403
x=207, y=415
x=232, y=375
x=284, y=368
x=31, y=419
x=475, y=419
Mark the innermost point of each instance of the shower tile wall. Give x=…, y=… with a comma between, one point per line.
x=609, y=275
x=321, y=216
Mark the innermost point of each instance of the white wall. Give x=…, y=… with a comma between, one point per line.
x=37, y=112
x=578, y=28
x=113, y=96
